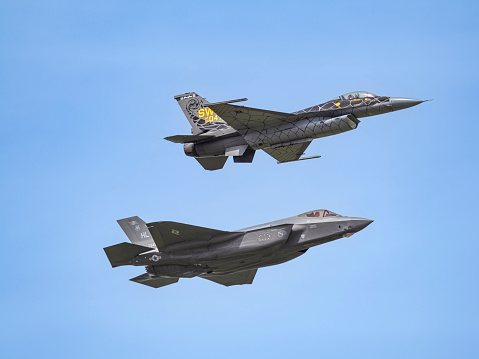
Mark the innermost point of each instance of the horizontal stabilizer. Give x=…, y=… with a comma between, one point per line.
x=212, y=163
x=236, y=278
x=154, y=281
x=188, y=138
x=122, y=254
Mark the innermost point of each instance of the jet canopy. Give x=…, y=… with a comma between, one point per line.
x=355, y=94
x=319, y=213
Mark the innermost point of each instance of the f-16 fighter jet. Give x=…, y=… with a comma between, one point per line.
x=171, y=250
x=220, y=130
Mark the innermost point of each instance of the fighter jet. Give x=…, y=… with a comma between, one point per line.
x=171, y=250
x=220, y=130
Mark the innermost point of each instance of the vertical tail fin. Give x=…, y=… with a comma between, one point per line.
x=200, y=116
x=137, y=231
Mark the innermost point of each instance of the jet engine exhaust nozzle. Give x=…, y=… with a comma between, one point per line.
x=189, y=149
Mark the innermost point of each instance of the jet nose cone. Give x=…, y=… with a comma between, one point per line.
x=400, y=103
x=362, y=223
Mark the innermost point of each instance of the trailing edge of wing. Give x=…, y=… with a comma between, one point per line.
x=153, y=281
x=187, y=138
x=236, y=278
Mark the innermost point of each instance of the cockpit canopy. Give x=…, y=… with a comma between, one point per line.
x=319, y=213
x=355, y=94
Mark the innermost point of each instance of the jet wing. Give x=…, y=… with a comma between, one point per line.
x=288, y=153
x=167, y=233
x=243, y=118
x=236, y=278
x=153, y=281
x=188, y=138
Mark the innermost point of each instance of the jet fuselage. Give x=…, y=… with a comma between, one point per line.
x=254, y=247
x=327, y=119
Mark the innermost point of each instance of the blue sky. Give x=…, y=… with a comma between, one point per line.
x=86, y=98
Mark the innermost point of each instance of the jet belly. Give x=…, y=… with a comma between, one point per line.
x=308, y=128
x=214, y=147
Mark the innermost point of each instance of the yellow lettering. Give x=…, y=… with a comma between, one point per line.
x=201, y=112
x=209, y=111
x=213, y=117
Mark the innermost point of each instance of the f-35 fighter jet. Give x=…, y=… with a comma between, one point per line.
x=171, y=250
x=220, y=130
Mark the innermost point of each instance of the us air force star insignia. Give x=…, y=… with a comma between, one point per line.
x=174, y=231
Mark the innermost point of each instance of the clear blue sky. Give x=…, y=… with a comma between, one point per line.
x=86, y=98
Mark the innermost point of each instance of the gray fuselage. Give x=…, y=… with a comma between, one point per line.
x=254, y=247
